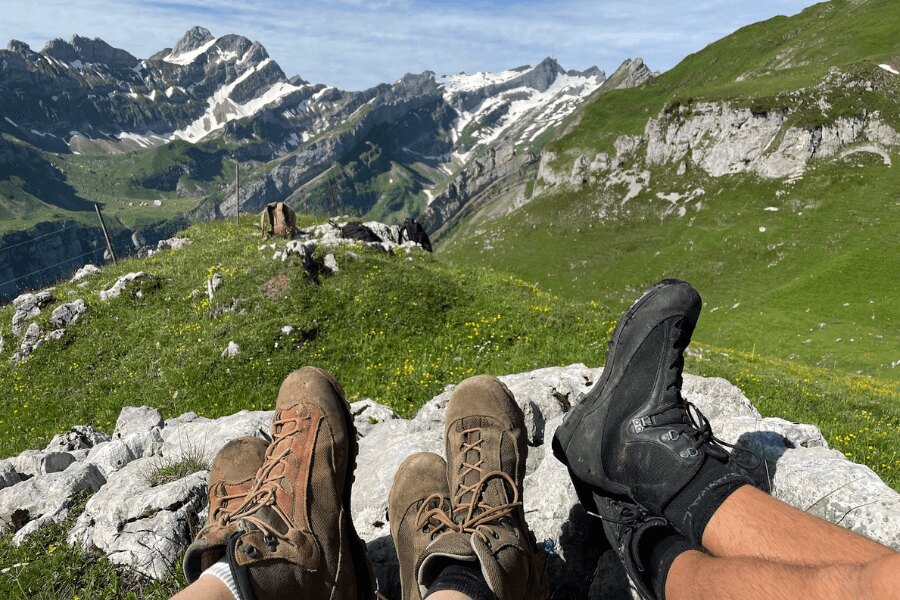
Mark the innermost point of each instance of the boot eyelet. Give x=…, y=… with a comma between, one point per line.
x=250, y=551
x=669, y=436
x=689, y=453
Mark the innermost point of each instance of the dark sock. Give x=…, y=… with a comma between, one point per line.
x=463, y=577
x=660, y=554
x=694, y=506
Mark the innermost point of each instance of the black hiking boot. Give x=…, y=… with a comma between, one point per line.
x=633, y=441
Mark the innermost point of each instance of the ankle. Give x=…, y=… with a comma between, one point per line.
x=464, y=578
x=693, y=507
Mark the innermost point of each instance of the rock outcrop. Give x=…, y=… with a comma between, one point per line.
x=144, y=526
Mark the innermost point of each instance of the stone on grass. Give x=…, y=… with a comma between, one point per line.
x=66, y=314
x=28, y=306
x=172, y=243
x=231, y=350
x=137, y=419
x=46, y=494
x=213, y=284
x=83, y=272
x=79, y=437
x=331, y=263
x=138, y=526
x=122, y=283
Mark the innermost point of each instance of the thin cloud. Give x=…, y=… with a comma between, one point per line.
x=356, y=44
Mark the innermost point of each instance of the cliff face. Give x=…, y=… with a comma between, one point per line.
x=42, y=255
x=716, y=139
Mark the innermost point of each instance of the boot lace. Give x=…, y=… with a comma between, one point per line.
x=475, y=516
x=262, y=494
x=688, y=420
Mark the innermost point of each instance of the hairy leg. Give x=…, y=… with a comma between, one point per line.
x=753, y=578
x=205, y=588
x=752, y=524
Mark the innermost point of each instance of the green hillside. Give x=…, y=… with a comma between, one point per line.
x=762, y=65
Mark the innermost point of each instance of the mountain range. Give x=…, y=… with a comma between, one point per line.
x=156, y=139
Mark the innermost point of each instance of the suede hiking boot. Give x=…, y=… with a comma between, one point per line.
x=486, y=449
x=231, y=476
x=295, y=533
x=633, y=440
x=418, y=506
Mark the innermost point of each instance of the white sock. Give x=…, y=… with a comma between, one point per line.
x=222, y=571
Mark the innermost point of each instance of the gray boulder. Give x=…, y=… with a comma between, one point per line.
x=79, y=437
x=173, y=243
x=32, y=338
x=137, y=419
x=367, y=413
x=138, y=526
x=122, y=283
x=28, y=306
x=83, y=272
x=45, y=495
x=66, y=314
x=8, y=474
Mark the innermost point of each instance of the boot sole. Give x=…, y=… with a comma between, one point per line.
x=567, y=429
x=365, y=578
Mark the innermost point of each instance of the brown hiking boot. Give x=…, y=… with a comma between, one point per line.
x=232, y=475
x=485, y=440
x=295, y=534
x=418, y=506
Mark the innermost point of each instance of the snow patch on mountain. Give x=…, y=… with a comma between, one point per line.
x=540, y=110
x=890, y=69
x=223, y=109
x=462, y=82
x=187, y=58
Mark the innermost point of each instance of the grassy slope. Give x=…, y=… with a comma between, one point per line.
x=799, y=308
x=752, y=65
x=114, y=179
x=393, y=329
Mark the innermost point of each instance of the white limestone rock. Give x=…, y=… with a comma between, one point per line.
x=27, y=307
x=83, y=272
x=136, y=419
x=79, y=437
x=122, y=283
x=46, y=494
x=66, y=314
x=138, y=526
x=367, y=413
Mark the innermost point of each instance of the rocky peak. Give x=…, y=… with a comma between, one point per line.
x=88, y=51
x=60, y=49
x=97, y=51
x=594, y=71
x=631, y=73
x=193, y=38
x=543, y=75
x=20, y=48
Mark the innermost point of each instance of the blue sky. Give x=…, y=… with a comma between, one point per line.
x=354, y=44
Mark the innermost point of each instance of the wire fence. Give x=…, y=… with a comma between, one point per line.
x=40, y=237
x=62, y=262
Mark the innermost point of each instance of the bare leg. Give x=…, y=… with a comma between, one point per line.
x=205, y=588
x=752, y=524
x=697, y=576
x=448, y=595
